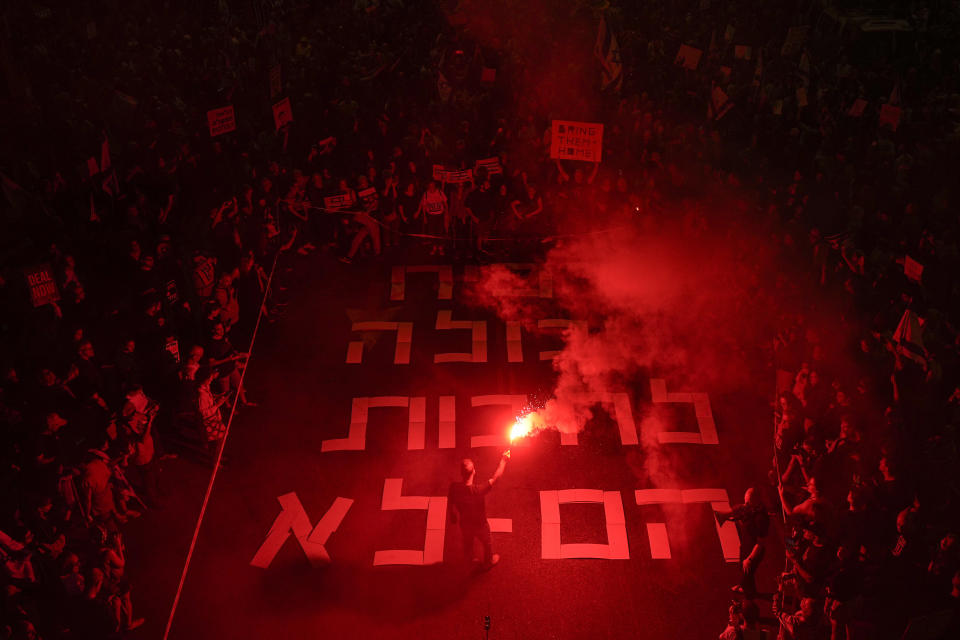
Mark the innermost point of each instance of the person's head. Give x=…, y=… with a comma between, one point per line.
x=432, y=186
x=317, y=179
x=752, y=497
x=217, y=332
x=362, y=182
x=808, y=607
x=467, y=469
x=224, y=279
x=85, y=350
x=146, y=262
x=409, y=189
x=47, y=377
x=54, y=422
x=856, y=499
x=196, y=353
x=128, y=346
x=812, y=487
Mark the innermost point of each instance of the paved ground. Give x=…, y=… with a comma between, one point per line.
x=306, y=391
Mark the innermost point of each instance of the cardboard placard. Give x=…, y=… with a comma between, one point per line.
x=571, y=140
x=338, y=201
x=367, y=194
x=439, y=173
x=282, y=113
x=688, y=57
x=492, y=165
x=456, y=177
x=221, y=120
x=856, y=109
x=912, y=269
x=276, y=82
x=43, y=288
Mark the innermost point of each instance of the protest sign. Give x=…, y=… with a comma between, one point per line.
x=439, y=172
x=795, y=39
x=688, y=57
x=741, y=52
x=221, y=120
x=890, y=116
x=912, y=269
x=856, y=109
x=282, y=113
x=492, y=165
x=43, y=288
x=367, y=194
x=571, y=140
x=339, y=201
x=276, y=82
x=456, y=177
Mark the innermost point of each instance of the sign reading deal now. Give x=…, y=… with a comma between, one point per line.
x=571, y=140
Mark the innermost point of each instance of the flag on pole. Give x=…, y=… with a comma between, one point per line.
x=908, y=338
x=607, y=51
x=895, y=96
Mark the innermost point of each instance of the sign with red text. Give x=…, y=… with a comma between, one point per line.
x=43, y=288
x=572, y=140
x=339, y=201
x=282, y=113
x=221, y=120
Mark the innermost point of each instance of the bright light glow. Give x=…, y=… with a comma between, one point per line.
x=524, y=426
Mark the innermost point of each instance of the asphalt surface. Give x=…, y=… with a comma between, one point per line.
x=304, y=388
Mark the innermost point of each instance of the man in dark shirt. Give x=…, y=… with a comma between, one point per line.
x=753, y=524
x=468, y=501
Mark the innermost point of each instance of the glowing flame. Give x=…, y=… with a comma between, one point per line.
x=523, y=427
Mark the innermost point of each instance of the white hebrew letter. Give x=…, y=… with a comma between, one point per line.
x=701, y=404
x=401, y=354
x=398, y=280
x=551, y=547
x=436, y=508
x=292, y=519
x=356, y=439
x=478, y=329
x=729, y=538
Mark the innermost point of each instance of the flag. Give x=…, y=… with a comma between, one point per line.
x=889, y=116
x=908, y=338
x=912, y=269
x=607, y=51
x=856, y=109
x=895, y=96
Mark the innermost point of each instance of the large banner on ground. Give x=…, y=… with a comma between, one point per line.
x=571, y=140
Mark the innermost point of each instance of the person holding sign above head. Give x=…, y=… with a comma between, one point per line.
x=433, y=206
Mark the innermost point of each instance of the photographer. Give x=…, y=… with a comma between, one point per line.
x=753, y=524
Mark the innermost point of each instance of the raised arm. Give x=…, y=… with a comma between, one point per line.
x=500, y=467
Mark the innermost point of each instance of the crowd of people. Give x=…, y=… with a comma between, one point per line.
x=162, y=247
